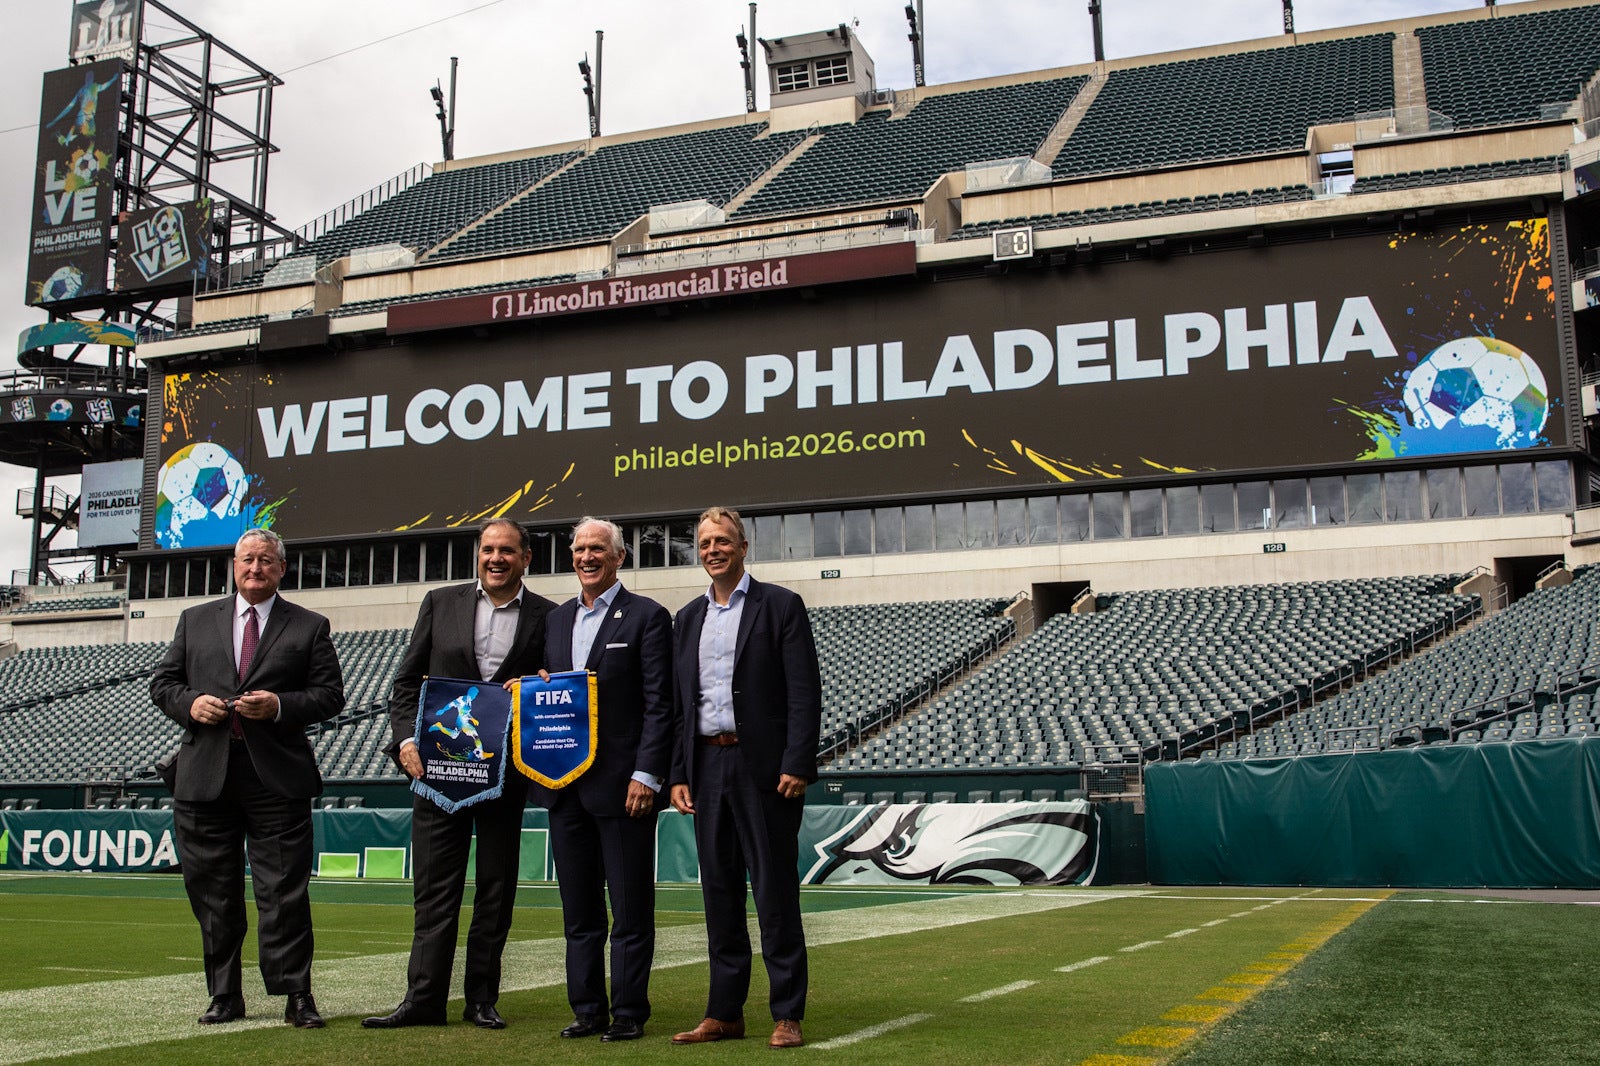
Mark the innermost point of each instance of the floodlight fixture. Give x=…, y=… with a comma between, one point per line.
x=446, y=115
x=591, y=83
x=914, y=19
x=747, y=62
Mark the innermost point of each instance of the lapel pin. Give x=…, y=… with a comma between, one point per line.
x=618, y=614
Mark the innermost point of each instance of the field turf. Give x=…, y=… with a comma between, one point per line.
x=105, y=970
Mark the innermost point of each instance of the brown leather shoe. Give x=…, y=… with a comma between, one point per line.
x=786, y=1034
x=711, y=1029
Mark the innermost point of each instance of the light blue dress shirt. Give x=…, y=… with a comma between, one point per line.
x=719, y=639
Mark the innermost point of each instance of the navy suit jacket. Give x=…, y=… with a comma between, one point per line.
x=294, y=659
x=777, y=687
x=632, y=660
x=441, y=646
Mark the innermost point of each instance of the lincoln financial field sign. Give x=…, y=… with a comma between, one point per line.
x=1317, y=354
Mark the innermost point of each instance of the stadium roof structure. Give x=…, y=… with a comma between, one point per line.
x=1477, y=106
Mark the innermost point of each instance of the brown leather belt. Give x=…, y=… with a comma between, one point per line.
x=720, y=740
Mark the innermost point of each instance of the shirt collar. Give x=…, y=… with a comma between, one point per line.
x=741, y=590
x=264, y=608
x=602, y=601
x=516, y=600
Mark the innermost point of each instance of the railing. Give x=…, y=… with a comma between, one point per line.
x=71, y=375
x=847, y=736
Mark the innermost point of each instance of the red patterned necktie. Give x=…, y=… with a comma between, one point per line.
x=247, y=651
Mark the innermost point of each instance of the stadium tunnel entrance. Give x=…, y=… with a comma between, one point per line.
x=1520, y=574
x=1051, y=598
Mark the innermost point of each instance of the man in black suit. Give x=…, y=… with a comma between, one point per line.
x=492, y=629
x=749, y=705
x=244, y=677
x=603, y=825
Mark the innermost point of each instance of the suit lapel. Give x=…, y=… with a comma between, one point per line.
x=466, y=606
x=276, y=621
x=753, y=602
x=225, y=631
x=608, y=627
x=558, y=626
x=689, y=658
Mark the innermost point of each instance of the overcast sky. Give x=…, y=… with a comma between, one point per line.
x=354, y=110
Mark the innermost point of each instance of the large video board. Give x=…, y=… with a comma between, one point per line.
x=1319, y=354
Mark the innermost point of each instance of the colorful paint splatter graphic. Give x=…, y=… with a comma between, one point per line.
x=1468, y=387
x=205, y=495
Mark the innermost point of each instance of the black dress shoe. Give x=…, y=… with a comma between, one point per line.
x=223, y=1009
x=407, y=1013
x=585, y=1025
x=301, y=1011
x=483, y=1015
x=623, y=1029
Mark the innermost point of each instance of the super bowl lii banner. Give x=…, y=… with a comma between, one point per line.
x=1300, y=356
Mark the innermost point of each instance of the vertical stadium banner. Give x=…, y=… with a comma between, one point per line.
x=108, y=506
x=163, y=246
x=73, y=183
x=1319, y=354
x=105, y=29
x=461, y=737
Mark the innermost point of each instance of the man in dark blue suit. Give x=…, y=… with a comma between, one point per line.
x=603, y=825
x=749, y=707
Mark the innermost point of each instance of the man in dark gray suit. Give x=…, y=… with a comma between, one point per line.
x=749, y=709
x=244, y=677
x=603, y=825
x=490, y=629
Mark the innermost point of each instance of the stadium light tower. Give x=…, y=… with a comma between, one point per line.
x=1288, y=16
x=914, y=17
x=591, y=88
x=447, y=120
x=747, y=63
x=1099, y=35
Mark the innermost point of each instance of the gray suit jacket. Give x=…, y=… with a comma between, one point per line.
x=295, y=659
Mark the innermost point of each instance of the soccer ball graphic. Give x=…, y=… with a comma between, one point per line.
x=199, y=483
x=85, y=167
x=1479, y=381
x=60, y=409
x=64, y=284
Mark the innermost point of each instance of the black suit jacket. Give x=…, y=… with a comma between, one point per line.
x=441, y=646
x=294, y=659
x=632, y=658
x=777, y=687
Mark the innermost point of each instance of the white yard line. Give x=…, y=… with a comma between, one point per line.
x=869, y=1032
x=110, y=1014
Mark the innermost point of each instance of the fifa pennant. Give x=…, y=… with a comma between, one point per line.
x=555, y=726
x=461, y=735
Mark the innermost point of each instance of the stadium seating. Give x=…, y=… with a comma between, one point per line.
x=881, y=159
x=1498, y=681
x=1157, y=665
x=1184, y=205
x=1514, y=168
x=1219, y=107
x=61, y=604
x=617, y=183
x=1510, y=69
x=436, y=207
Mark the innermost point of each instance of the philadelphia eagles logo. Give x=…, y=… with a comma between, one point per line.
x=962, y=844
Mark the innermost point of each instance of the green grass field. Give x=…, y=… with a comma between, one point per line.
x=105, y=970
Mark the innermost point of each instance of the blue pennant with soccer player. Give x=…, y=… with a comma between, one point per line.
x=461, y=729
x=555, y=726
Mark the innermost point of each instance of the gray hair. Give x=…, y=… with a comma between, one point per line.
x=262, y=533
x=619, y=544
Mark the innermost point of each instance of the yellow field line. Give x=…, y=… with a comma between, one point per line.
x=1157, y=1044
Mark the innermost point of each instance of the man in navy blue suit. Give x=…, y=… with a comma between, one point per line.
x=603, y=825
x=749, y=706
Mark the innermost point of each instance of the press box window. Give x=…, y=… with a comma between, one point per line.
x=793, y=77
x=833, y=70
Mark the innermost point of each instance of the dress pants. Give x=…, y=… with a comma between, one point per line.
x=596, y=855
x=440, y=844
x=738, y=827
x=213, y=838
